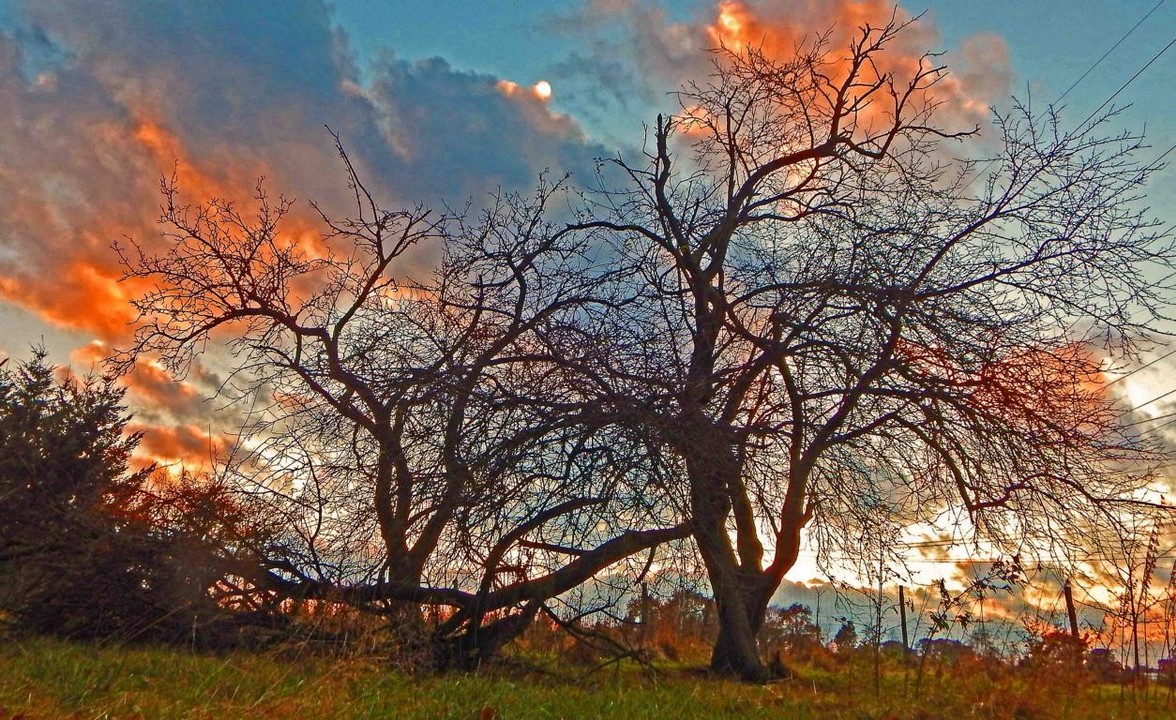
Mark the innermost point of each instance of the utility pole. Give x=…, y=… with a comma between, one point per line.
x=643, y=638
x=1070, y=610
x=906, y=645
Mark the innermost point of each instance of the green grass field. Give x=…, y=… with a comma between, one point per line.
x=50, y=679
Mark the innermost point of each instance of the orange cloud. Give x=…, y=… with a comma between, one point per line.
x=70, y=276
x=190, y=446
x=167, y=151
x=234, y=179
x=74, y=280
x=164, y=398
x=979, y=73
x=84, y=295
x=87, y=141
x=220, y=174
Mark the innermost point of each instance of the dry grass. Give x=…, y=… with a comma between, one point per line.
x=49, y=679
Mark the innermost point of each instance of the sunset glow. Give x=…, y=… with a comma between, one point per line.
x=733, y=27
x=652, y=321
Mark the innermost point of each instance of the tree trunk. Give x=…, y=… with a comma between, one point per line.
x=479, y=643
x=737, y=591
x=742, y=607
x=742, y=593
x=741, y=590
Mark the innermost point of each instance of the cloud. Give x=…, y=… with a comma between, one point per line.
x=182, y=422
x=456, y=134
x=637, y=55
x=104, y=98
x=188, y=446
x=640, y=51
x=81, y=294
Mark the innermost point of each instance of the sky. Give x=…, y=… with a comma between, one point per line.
x=437, y=102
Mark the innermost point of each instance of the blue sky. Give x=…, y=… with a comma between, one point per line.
x=1051, y=43
x=102, y=98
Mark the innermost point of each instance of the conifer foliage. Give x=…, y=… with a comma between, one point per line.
x=78, y=556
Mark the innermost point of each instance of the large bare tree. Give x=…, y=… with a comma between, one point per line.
x=419, y=442
x=835, y=325
x=798, y=312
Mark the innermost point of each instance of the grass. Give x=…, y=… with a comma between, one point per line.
x=52, y=679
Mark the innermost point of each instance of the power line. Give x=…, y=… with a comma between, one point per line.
x=1166, y=355
x=1097, y=110
x=1130, y=80
x=1158, y=427
x=1143, y=367
x=1115, y=94
x=1108, y=52
x=1163, y=155
x=1147, y=420
x=1149, y=402
x=932, y=543
x=1154, y=162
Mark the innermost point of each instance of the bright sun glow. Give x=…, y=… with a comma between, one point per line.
x=730, y=21
x=542, y=89
x=731, y=25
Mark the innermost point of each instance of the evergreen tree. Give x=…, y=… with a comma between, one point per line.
x=78, y=557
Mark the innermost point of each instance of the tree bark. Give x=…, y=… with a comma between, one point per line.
x=738, y=591
x=742, y=605
x=742, y=587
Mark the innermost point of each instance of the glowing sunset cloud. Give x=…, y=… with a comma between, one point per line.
x=84, y=295
x=731, y=26
x=116, y=108
x=186, y=446
x=976, y=80
x=540, y=90
x=170, y=155
x=181, y=427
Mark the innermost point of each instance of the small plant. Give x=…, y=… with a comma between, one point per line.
x=957, y=608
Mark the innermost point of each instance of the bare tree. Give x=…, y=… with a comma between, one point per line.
x=799, y=311
x=835, y=325
x=420, y=441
